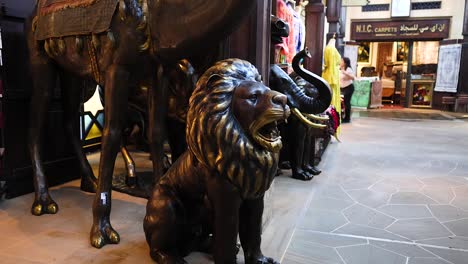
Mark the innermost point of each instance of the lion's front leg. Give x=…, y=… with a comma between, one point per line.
x=250, y=231
x=225, y=201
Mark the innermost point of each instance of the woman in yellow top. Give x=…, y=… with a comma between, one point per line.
x=347, y=88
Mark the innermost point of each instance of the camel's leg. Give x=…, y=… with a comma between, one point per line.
x=116, y=90
x=71, y=89
x=44, y=76
x=157, y=107
x=250, y=231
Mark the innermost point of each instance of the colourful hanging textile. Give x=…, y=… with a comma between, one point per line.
x=286, y=13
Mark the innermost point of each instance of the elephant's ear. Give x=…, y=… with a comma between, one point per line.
x=178, y=28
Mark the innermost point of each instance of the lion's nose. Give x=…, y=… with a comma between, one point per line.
x=280, y=99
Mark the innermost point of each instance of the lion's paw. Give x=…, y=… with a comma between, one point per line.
x=103, y=234
x=44, y=206
x=162, y=258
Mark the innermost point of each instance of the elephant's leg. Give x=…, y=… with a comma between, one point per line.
x=298, y=134
x=308, y=148
x=157, y=108
x=72, y=88
x=162, y=227
x=44, y=76
x=250, y=230
x=225, y=201
x=116, y=90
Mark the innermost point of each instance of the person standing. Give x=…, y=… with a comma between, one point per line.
x=347, y=88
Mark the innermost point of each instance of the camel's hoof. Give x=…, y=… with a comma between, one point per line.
x=104, y=236
x=44, y=207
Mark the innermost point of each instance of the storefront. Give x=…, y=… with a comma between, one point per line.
x=403, y=54
x=413, y=46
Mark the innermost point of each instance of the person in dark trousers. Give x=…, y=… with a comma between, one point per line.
x=347, y=88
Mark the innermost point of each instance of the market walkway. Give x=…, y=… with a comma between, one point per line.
x=394, y=191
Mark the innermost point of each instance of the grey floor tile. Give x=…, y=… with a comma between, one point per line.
x=454, y=242
x=455, y=257
x=404, y=182
x=361, y=215
x=362, y=181
x=368, y=254
x=333, y=191
x=447, y=212
x=443, y=181
x=410, y=198
x=366, y=231
x=330, y=204
x=384, y=188
x=427, y=261
x=370, y=198
x=322, y=220
x=313, y=252
x=442, y=195
x=403, y=249
x=458, y=227
x=417, y=229
x=405, y=211
x=329, y=240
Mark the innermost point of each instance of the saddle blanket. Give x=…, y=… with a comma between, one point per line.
x=60, y=18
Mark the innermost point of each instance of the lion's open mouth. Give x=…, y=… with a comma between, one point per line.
x=269, y=132
x=268, y=136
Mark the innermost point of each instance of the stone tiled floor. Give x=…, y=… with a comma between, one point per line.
x=394, y=191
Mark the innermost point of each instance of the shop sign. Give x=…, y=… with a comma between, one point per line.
x=427, y=29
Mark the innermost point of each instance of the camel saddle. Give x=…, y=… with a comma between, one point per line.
x=60, y=18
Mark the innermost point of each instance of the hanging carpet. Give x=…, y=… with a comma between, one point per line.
x=60, y=18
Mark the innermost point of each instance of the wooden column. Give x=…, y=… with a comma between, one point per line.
x=315, y=18
x=333, y=18
x=463, y=76
x=251, y=41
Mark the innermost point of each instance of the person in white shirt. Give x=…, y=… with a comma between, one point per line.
x=347, y=88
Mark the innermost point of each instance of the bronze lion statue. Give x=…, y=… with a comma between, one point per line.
x=215, y=190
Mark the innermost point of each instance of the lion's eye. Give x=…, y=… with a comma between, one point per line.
x=253, y=98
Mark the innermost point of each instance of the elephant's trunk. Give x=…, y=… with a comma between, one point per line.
x=305, y=103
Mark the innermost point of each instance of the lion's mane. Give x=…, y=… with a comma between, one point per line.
x=215, y=137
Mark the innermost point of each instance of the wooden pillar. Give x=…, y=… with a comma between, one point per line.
x=463, y=75
x=315, y=19
x=252, y=40
x=333, y=18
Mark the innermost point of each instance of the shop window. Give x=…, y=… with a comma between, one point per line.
x=376, y=7
x=402, y=51
x=426, y=5
x=364, y=52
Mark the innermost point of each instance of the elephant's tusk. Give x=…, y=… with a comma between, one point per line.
x=317, y=117
x=306, y=121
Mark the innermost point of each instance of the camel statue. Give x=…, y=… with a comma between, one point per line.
x=116, y=44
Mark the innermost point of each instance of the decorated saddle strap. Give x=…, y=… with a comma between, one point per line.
x=61, y=18
x=51, y=6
